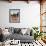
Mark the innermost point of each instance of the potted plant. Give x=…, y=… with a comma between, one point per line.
x=37, y=33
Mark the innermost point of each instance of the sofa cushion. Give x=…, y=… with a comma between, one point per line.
x=17, y=30
x=23, y=30
x=11, y=30
x=20, y=37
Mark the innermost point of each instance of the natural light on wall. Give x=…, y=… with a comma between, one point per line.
x=29, y=14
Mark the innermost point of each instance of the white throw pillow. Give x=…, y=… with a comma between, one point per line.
x=24, y=30
x=5, y=32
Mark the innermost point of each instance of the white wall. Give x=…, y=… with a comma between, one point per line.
x=29, y=14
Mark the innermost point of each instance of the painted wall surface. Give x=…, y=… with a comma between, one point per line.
x=29, y=14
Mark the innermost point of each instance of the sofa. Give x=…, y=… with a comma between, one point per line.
x=22, y=34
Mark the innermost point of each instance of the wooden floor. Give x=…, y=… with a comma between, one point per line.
x=35, y=43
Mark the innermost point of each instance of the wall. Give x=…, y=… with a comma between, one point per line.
x=29, y=14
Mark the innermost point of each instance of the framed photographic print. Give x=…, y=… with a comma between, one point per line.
x=14, y=15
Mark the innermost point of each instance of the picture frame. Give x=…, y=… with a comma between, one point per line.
x=14, y=15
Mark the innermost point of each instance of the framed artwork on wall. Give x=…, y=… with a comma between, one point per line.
x=14, y=15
